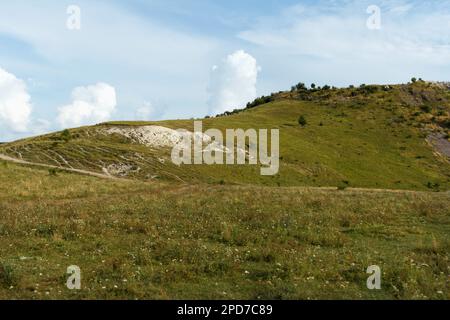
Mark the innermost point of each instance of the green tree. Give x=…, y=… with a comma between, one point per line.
x=300, y=86
x=302, y=121
x=65, y=135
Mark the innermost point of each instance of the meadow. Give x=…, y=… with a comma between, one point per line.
x=140, y=240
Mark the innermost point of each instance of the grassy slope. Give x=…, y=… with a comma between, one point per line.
x=372, y=140
x=166, y=240
x=248, y=238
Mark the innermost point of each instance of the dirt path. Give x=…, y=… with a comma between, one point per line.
x=84, y=172
x=110, y=177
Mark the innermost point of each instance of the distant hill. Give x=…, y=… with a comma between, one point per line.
x=372, y=136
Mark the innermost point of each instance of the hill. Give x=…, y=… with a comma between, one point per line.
x=108, y=199
x=373, y=136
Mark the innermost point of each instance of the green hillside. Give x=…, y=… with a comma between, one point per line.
x=368, y=137
x=163, y=231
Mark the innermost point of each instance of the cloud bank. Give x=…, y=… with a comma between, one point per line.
x=328, y=42
x=233, y=83
x=91, y=104
x=15, y=105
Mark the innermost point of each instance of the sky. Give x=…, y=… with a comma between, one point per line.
x=71, y=63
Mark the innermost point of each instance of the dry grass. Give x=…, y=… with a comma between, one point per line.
x=138, y=240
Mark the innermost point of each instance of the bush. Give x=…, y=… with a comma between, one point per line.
x=300, y=86
x=302, y=121
x=65, y=135
x=344, y=184
x=260, y=101
x=7, y=277
x=368, y=89
x=52, y=171
x=426, y=109
x=413, y=80
x=433, y=186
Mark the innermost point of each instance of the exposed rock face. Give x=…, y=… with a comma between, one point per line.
x=160, y=137
x=155, y=136
x=440, y=144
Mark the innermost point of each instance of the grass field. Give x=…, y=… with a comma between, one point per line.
x=138, y=240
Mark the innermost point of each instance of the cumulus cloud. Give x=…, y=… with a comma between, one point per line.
x=233, y=83
x=15, y=105
x=91, y=104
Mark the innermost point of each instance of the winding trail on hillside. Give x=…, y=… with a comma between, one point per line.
x=84, y=172
x=110, y=177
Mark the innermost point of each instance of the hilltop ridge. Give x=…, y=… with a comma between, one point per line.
x=371, y=136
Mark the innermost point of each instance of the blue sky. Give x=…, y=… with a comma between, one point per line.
x=167, y=59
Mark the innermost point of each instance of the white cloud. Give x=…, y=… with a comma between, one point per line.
x=15, y=105
x=145, y=112
x=91, y=104
x=340, y=31
x=329, y=41
x=40, y=126
x=233, y=83
x=146, y=57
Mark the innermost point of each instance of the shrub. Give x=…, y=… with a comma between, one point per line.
x=260, y=101
x=7, y=277
x=65, y=135
x=52, y=171
x=300, y=86
x=413, y=80
x=433, y=186
x=302, y=121
x=313, y=85
x=426, y=109
x=343, y=185
x=368, y=89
